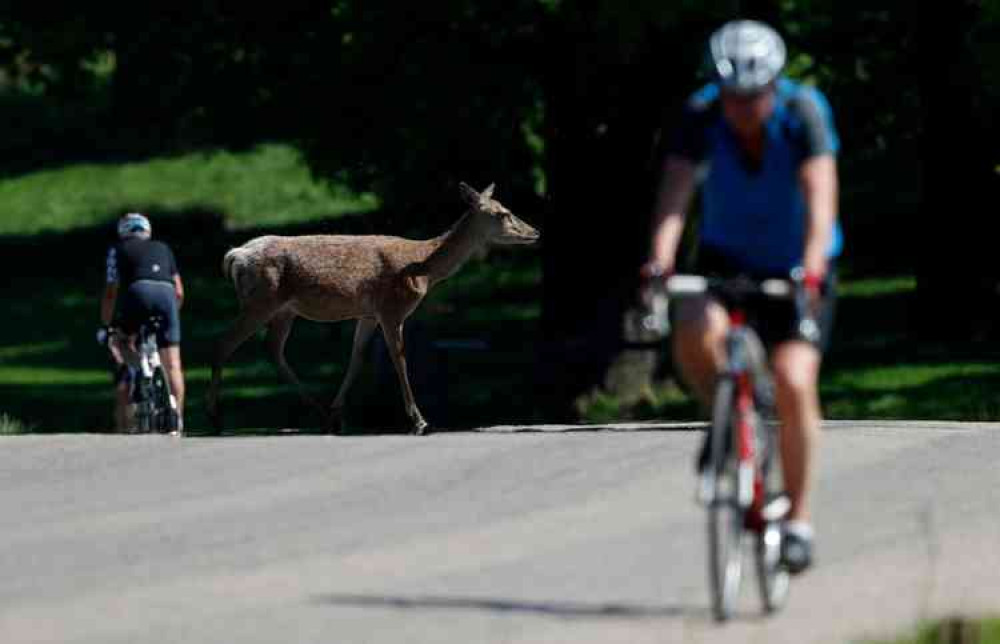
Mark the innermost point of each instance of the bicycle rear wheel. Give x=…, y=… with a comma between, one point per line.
x=167, y=419
x=726, y=517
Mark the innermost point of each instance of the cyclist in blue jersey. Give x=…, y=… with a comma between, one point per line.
x=142, y=281
x=763, y=150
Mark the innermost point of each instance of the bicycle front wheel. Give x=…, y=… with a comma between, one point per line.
x=726, y=516
x=772, y=576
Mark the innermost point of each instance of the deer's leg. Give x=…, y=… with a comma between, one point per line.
x=278, y=330
x=362, y=333
x=394, y=340
x=249, y=321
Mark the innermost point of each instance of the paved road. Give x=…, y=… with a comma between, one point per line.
x=494, y=536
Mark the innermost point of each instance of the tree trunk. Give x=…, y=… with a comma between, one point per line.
x=604, y=104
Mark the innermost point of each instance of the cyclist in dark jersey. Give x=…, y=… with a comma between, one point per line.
x=763, y=150
x=143, y=281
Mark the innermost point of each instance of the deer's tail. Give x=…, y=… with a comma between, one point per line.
x=234, y=266
x=228, y=261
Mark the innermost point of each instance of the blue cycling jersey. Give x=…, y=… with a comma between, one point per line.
x=756, y=216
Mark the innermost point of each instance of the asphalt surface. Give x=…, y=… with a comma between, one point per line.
x=509, y=534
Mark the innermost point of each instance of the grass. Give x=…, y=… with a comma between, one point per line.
x=877, y=368
x=269, y=185
x=10, y=425
x=953, y=630
x=53, y=373
x=53, y=376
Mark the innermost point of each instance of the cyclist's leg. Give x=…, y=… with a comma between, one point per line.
x=700, y=327
x=796, y=365
x=123, y=390
x=171, y=358
x=162, y=302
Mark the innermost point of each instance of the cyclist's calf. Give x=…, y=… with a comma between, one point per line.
x=171, y=358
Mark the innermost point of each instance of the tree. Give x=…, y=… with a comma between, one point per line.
x=957, y=280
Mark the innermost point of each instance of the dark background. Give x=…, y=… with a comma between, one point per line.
x=561, y=103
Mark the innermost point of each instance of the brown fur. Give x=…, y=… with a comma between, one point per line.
x=377, y=280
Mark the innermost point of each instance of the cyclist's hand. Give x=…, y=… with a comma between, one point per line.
x=650, y=273
x=813, y=284
x=654, y=269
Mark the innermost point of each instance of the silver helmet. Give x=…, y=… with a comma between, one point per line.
x=746, y=55
x=134, y=225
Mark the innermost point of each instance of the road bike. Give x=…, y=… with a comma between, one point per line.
x=739, y=479
x=154, y=405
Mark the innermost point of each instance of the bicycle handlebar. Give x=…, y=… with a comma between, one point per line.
x=681, y=285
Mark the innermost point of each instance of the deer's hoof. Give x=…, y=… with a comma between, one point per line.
x=421, y=428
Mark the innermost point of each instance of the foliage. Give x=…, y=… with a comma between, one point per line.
x=955, y=629
x=10, y=425
x=564, y=104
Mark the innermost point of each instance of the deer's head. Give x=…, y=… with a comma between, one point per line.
x=500, y=224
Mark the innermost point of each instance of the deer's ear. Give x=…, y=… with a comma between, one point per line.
x=469, y=195
x=489, y=191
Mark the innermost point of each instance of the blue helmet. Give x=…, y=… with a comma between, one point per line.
x=134, y=225
x=746, y=55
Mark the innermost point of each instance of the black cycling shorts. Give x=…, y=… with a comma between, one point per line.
x=146, y=299
x=776, y=321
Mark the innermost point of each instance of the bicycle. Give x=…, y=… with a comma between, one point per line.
x=155, y=406
x=739, y=483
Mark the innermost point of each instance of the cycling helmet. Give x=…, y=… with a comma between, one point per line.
x=133, y=225
x=746, y=55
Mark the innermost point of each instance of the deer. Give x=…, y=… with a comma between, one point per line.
x=377, y=280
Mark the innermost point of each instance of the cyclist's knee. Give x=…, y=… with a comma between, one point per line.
x=701, y=323
x=796, y=371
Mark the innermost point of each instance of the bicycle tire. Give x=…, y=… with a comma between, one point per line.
x=144, y=417
x=772, y=577
x=166, y=415
x=725, y=515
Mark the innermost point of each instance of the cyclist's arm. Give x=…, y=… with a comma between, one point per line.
x=672, y=200
x=108, y=303
x=110, y=287
x=179, y=289
x=818, y=177
x=176, y=275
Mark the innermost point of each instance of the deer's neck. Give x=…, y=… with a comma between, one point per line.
x=452, y=249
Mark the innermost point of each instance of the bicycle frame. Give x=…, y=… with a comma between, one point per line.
x=144, y=361
x=745, y=425
x=735, y=482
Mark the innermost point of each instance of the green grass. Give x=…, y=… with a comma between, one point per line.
x=269, y=185
x=53, y=375
x=877, y=368
x=953, y=630
x=10, y=425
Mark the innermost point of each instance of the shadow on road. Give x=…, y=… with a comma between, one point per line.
x=564, y=610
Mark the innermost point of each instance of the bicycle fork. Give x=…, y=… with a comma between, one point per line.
x=749, y=482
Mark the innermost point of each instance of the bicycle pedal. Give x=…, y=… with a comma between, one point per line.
x=776, y=508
